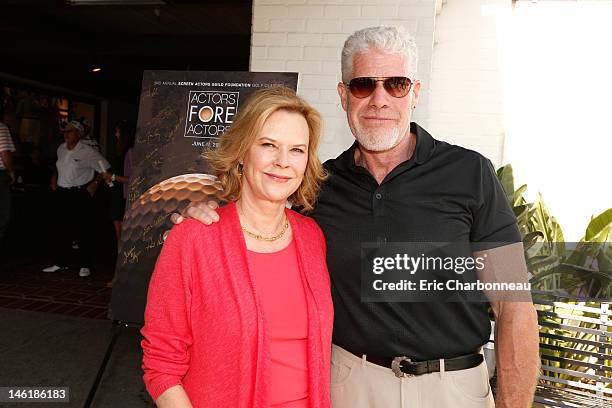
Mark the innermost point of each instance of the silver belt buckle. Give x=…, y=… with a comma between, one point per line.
x=397, y=369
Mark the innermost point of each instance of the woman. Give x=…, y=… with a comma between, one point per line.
x=120, y=173
x=239, y=314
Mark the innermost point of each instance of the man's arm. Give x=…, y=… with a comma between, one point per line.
x=516, y=352
x=7, y=159
x=97, y=161
x=108, y=178
x=100, y=165
x=517, y=333
x=53, y=181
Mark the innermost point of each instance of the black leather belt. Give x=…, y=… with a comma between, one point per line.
x=74, y=188
x=403, y=366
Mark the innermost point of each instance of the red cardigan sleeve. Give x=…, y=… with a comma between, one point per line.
x=167, y=329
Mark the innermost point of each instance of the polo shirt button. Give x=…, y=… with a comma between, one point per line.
x=378, y=196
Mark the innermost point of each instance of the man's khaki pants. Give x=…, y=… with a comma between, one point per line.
x=357, y=383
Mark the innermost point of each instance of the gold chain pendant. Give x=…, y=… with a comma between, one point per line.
x=268, y=239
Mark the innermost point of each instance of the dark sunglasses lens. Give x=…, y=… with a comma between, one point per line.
x=397, y=86
x=362, y=87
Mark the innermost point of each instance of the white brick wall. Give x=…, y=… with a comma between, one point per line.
x=306, y=36
x=465, y=95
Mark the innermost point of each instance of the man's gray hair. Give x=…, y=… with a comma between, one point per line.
x=389, y=39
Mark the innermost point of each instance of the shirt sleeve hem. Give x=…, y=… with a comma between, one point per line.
x=157, y=388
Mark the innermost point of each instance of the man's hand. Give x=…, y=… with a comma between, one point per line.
x=108, y=177
x=516, y=327
x=205, y=212
x=53, y=181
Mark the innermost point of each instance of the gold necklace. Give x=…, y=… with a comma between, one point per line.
x=260, y=237
x=268, y=239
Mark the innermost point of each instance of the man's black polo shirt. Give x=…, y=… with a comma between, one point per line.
x=444, y=193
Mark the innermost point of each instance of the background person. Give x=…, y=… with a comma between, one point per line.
x=76, y=165
x=7, y=177
x=120, y=173
x=240, y=314
x=87, y=137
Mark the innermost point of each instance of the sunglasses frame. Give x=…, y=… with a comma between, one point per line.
x=376, y=80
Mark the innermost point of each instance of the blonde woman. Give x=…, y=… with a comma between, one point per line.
x=239, y=314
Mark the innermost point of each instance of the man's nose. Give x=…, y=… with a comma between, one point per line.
x=379, y=97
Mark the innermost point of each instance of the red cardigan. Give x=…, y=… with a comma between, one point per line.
x=203, y=324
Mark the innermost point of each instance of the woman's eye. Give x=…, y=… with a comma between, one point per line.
x=267, y=145
x=298, y=150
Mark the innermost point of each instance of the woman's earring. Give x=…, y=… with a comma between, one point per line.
x=240, y=166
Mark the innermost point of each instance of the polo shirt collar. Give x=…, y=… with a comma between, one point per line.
x=78, y=146
x=425, y=145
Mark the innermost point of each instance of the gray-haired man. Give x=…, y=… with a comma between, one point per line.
x=76, y=165
x=398, y=184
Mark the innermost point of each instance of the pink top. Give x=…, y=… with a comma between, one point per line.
x=281, y=294
x=204, y=326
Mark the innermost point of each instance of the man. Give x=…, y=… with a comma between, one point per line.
x=7, y=177
x=76, y=167
x=398, y=184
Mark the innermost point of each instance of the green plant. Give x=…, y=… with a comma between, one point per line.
x=585, y=269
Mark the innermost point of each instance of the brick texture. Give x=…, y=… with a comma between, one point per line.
x=307, y=36
x=465, y=93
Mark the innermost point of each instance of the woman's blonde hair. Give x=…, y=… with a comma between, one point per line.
x=239, y=138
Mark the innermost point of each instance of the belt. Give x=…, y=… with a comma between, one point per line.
x=403, y=366
x=73, y=188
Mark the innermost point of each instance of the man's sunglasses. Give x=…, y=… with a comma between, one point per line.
x=362, y=87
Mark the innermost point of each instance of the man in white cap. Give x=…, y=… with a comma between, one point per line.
x=76, y=167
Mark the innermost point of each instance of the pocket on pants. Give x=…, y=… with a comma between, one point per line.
x=340, y=373
x=472, y=383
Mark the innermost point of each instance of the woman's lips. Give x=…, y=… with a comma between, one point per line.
x=279, y=178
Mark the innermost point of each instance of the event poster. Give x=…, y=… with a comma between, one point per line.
x=181, y=115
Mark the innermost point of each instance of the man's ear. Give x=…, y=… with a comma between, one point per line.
x=416, y=88
x=342, y=92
